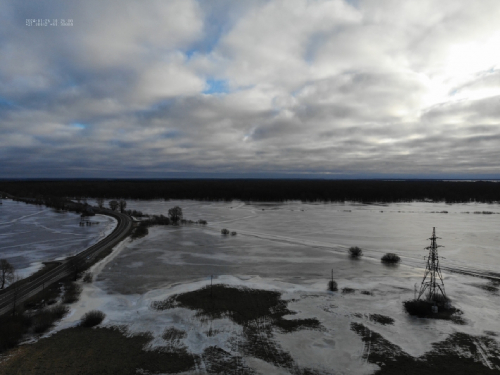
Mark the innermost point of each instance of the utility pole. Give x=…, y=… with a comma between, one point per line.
x=433, y=279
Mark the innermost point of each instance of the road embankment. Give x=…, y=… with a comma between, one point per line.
x=18, y=293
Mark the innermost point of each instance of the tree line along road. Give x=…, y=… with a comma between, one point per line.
x=15, y=295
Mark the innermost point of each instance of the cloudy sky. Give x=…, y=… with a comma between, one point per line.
x=332, y=89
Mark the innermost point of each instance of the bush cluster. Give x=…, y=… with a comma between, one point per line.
x=332, y=286
x=390, y=258
x=134, y=213
x=71, y=293
x=142, y=229
x=14, y=327
x=45, y=319
x=92, y=318
x=355, y=252
x=87, y=277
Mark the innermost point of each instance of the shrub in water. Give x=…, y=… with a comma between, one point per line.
x=224, y=231
x=355, y=252
x=440, y=300
x=348, y=290
x=92, y=318
x=424, y=309
x=390, y=258
x=332, y=286
x=418, y=307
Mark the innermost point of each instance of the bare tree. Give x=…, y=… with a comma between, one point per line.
x=113, y=205
x=122, y=205
x=100, y=202
x=6, y=272
x=175, y=214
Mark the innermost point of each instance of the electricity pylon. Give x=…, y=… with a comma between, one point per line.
x=433, y=280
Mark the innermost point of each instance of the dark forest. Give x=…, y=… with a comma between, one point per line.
x=261, y=190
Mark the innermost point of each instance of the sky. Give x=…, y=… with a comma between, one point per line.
x=216, y=88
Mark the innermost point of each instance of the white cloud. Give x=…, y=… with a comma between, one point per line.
x=166, y=79
x=325, y=86
x=117, y=32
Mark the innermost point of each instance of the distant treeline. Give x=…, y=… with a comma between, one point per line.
x=262, y=190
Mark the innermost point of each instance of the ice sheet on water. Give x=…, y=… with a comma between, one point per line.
x=468, y=233
x=293, y=251
x=33, y=234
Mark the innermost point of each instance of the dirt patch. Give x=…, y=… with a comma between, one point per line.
x=460, y=354
x=173, y=334
x=218, y=361
x=286, y=326
x=377, y=349
x=94, y=351
x=381, y=319
x=260, y=313
x=348, y=290
x=241, y=305
x=491, y=333
x=173, y=338
x=211, y=332
x=491, y=287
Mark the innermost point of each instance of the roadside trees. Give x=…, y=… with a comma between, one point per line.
x=113, y=205
x=100, y=202
x=6, y=272
x=175, y=214
x=76, y=264
x=122, y=205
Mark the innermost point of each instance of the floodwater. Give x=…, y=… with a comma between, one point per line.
x=298, y=242
x=31, y=234
x=293, y=248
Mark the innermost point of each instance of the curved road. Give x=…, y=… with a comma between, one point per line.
x=34, y=286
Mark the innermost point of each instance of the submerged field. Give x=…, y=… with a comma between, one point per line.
x=270, y=312
x=31, y=234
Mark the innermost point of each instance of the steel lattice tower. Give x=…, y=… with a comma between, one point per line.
x=433, y=280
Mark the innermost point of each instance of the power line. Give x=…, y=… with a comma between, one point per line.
x=433, y=279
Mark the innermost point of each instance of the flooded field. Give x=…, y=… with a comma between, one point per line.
x=30, y=234
x=291, y=249
x=296, y=241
